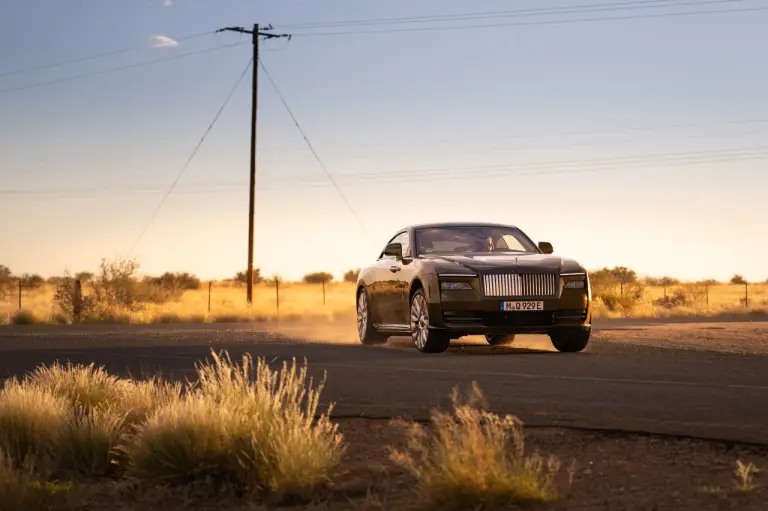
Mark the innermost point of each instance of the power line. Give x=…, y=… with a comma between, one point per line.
x=309, y=144
x=192, y=156
x=541, y=11
x=531, y=23
x=94, y=56
x=451, y=173
x=116, y=69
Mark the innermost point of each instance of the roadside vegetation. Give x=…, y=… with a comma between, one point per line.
x=117, y=293
x=244, y=431
x=475, y=459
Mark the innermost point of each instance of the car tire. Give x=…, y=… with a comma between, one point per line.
x=425, y=339
x=500, y=340
x=570, y=340
x=366, y=332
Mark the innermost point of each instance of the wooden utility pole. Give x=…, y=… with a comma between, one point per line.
x=256, y=34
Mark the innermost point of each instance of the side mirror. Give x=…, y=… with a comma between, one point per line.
x=394, y=249
x=546, y=247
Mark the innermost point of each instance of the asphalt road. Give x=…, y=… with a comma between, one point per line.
x=612, y=385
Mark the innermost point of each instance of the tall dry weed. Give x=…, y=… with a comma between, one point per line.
x=473, y=459
x=245, y=426
x=30, y=422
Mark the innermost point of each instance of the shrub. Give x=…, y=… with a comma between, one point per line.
x=616, y=302
x=242, y=276
x=32, y=281
x=115, y=288
x=24, y=317
x=65, y=298
x=30, y=421
x=251, y=429
x=114, y=292
x=317, y=277
x=467, y=461
x=351, y=275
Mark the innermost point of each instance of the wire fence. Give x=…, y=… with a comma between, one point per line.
x=225, y=301
x=219, y=300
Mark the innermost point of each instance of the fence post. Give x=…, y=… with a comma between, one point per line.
x=706, y=290
x=20, y=286
x=210, y=285
x=277, y=294
x=323, y=292
x=77, y=301
x=746, y=295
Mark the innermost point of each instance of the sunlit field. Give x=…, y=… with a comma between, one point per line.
x=226, y=302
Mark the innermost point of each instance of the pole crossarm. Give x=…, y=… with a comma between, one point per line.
x=261, y=33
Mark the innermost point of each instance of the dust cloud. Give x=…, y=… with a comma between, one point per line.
x=345, y=332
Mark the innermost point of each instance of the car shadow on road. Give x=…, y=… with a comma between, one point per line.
x=472, y=349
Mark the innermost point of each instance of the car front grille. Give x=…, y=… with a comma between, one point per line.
x=520, y=284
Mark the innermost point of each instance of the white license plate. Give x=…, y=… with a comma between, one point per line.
x=522, y=306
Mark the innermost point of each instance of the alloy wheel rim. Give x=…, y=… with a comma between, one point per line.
x=419, y=322
x=362, y=315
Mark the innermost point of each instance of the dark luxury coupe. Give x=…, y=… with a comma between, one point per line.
x=438, y=282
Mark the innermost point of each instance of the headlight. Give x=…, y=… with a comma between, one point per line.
x=455, y=286
x=574, y=284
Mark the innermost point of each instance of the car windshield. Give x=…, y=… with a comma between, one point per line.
x=471, y=239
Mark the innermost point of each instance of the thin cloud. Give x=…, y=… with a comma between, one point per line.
x=162, y=41
x=167, y=3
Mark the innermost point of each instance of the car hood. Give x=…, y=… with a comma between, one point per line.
x=518, y=262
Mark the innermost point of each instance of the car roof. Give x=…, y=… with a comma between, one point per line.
x=455, y=224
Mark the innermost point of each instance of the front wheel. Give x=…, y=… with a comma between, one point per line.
x=570, y=340
x=425, y=339
x=365, y=329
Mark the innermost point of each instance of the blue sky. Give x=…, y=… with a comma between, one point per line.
x=636, y=142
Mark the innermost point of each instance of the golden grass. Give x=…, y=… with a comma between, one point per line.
x=246, y=427
x=305, y=301
x=473, y=459
x=724, y=299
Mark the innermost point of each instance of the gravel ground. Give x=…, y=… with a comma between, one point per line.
x=612, y=472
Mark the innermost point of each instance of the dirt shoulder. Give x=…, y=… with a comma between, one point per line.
x=612, y=472
x=746, y=338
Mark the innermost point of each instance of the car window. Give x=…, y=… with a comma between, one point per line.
x=401, y=238
x=471, y=239
x=508, y=242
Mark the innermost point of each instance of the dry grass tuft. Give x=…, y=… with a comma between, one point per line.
x=88, y=443
x=30, y=422
x=242, y=426
x=89, y=387
x=475, y=458
x=745, y=474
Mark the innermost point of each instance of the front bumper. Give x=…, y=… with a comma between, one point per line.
x=573, y=309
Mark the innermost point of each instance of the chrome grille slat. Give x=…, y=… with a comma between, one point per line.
x=520, y=284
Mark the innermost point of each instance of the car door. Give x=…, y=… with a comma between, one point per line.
x=382, y=288
x=405, y=271
x=389, y=292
